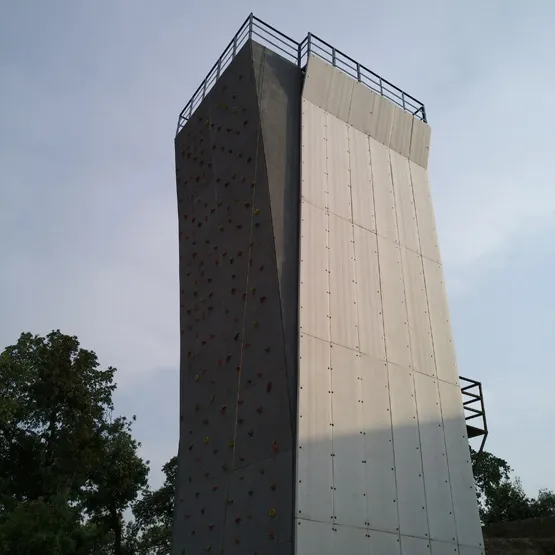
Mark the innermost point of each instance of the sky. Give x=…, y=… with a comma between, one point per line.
x=89, y=98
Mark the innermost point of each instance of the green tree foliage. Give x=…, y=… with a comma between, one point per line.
x=68, y=470
x=154, y=514
x=501, y=497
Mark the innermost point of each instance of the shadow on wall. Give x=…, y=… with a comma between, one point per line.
x=377, y=492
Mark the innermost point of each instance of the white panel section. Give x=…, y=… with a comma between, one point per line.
x=382, y=120
x=427, y=233
x=404, y=202
x=442, y=548
x=348, y=442
x=317, y=81
x=368, y=294
x=420, y=143
x=340, y=93
x=467, y=519
x=314, y=538
x=314, y=461
x=394, y=307
x=384, y=198
x=314, y=275
x=401, y=131
x=339, y=179
x=382, y=543
x=313, y=157
x=420, y=330
x=343, y=308
x=381, y=490
x=362, y=192
x=408, y=460
x=414, y=546
x=444, y=348
x=467, y=550
x=439, y=502
x=362, y=106
x=350, y=540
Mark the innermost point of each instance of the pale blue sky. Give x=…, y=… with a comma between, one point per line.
x=89, y=98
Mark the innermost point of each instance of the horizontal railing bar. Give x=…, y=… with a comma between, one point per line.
x=299, y=52
x=274, y=30
x=291, y=54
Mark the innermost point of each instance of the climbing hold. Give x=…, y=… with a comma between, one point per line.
x=272, y=513
x=267, y=349
x=196, y=378
x=206, y=440
x=256, y=211
x=255, y=324
x=230, y=443
x=262, y=299
x=275, y=446
x=253, y=289
x=269, y=387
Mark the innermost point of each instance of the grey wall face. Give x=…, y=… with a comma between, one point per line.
x=238, y=188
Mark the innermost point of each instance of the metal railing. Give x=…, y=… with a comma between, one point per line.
x=472, y=395
x=255, y=29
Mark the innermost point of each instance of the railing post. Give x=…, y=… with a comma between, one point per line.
x=424, y=119
x=308, y=44
x=359, y=77
x=403, y=100
x=250, y=26
x=234, y=46
x=218, y=69
x=381, y=86
x=204, y=88
x=333, y=57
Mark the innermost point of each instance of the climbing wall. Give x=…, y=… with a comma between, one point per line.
x=238, y=190
x=383, y=462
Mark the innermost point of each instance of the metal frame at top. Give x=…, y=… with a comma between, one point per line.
x=298, y=53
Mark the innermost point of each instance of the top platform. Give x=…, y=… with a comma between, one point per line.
x=298, y=53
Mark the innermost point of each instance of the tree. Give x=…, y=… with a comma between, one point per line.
x=68, y=470
x=501, y=497
x=154, y=514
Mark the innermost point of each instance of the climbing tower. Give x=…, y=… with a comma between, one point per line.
x=321, y=409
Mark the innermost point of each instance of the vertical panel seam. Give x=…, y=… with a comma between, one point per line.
x=327, y=217
x=386, y=364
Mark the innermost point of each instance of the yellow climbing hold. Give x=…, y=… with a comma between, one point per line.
x=206, y=439
x=208, y=548
x=230, y=443
x=256, y=211
x=196, y=378
x=272, y=513
x=255, y=324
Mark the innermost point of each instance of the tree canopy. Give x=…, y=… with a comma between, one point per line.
x=71, y=476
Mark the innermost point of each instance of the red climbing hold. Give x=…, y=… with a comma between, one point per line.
x=275, y=446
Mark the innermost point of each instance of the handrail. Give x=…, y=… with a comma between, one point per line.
x=298, y=53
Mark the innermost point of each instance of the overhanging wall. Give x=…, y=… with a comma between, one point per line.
x=383, y=462
x=238, y=190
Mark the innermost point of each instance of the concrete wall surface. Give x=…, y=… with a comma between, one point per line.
x=238, y=190
x=383, y=462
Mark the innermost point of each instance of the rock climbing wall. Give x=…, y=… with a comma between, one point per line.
x=383, y=462
x=238, y=189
